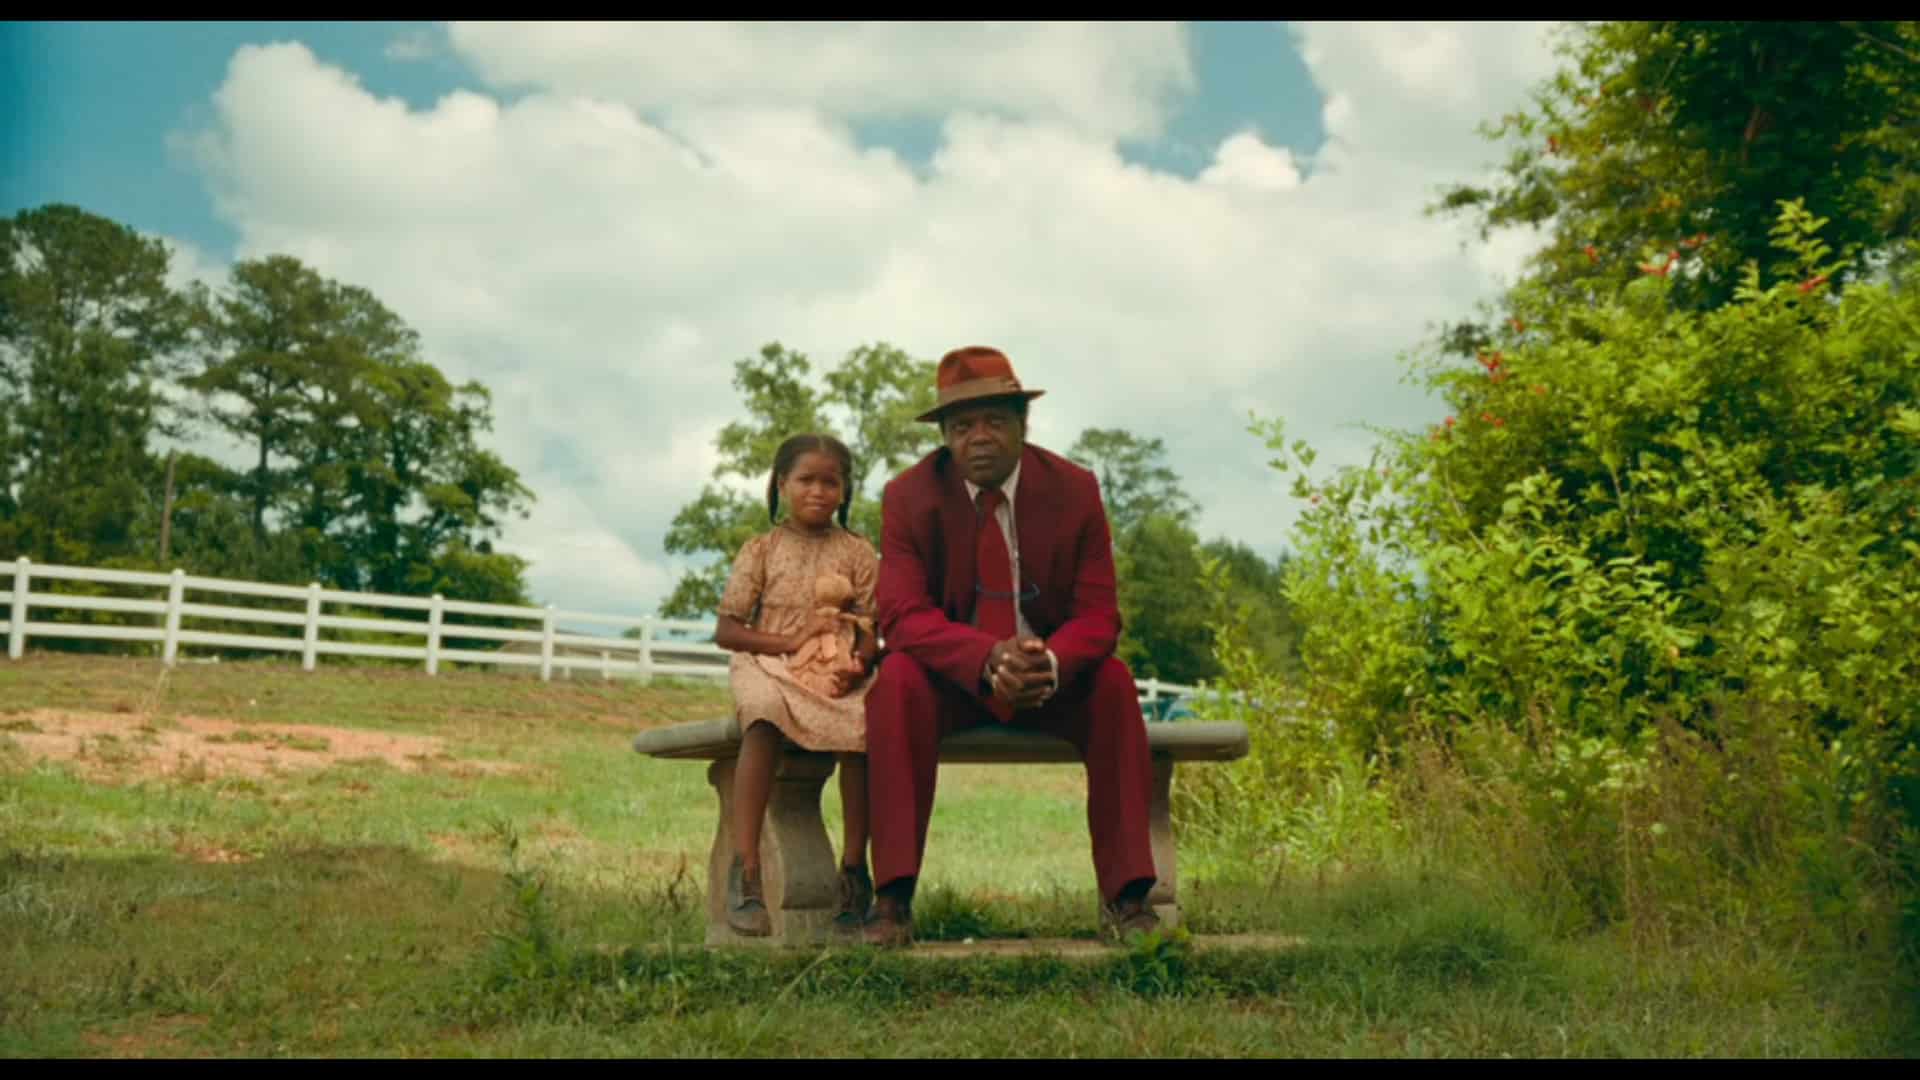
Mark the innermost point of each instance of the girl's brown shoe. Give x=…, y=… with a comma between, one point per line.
x=746, y=907
x=856, y=899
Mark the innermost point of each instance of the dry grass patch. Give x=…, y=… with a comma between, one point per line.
x=158, y=1037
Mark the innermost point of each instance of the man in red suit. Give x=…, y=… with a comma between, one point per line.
x=996, y=604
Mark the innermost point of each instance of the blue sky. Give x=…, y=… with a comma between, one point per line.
x=91, y=104
x=1168, y=227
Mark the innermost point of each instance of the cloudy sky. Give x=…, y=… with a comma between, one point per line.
x=1166, y=226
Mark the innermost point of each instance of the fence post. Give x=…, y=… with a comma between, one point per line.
x=606, y=671
x=433, y=634
x=646, y=653
x=312, y=635
x=176, y=591
x=17, y=633
x=546, y=646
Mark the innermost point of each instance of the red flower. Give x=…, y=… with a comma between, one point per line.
x=1490, y=361
x=1518, y=326
x=1813, y=283
x=1449, y=421
x=1315, y=500
x=1592, y=255
x=1539, y=389
x=1486, y=418
x=1498, y=422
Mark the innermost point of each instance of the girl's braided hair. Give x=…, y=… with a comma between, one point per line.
x=789, y=453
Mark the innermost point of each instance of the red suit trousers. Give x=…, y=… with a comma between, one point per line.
x=909, y=710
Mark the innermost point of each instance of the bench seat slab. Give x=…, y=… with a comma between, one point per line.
x=798, y=869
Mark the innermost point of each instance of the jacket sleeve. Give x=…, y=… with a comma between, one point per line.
x=1092, y=629
x=911, y=619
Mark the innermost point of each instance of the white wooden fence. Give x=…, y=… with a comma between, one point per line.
x=648, y=655
x=185, y=602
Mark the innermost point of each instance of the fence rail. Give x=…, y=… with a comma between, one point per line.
x=643, y=656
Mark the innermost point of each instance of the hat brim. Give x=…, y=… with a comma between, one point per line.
x=933, y=415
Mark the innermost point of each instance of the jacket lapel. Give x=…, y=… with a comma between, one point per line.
x=957, y=525
x=1033, y=519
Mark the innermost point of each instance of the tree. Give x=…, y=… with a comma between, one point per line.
x=1166, y=633
x=1273, y=635
x=1665, y=148
x=1134, y=480
x=873, y=395
x=367, y=459
x=1164, y=613
x=89, y=332
x=212, y=531
x=420, y=489
x=880, y=390
x=271, y=347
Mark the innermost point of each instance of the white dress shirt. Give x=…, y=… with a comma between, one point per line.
x=1003, y=514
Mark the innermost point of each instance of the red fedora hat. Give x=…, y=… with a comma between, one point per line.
x=975, y=373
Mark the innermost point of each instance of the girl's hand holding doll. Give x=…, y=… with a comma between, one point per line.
x=819, y=623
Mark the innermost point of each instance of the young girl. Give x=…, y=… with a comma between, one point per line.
x=767, y=612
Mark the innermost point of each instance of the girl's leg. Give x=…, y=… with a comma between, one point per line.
x=752, y=786
x=856, y=883
x=853, y=810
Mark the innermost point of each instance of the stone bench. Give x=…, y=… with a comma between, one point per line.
x=799, y=872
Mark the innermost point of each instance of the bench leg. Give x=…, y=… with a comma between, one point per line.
x=1165, y=894
x=796, y=862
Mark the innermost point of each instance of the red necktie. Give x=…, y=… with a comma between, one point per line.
x=994, y=609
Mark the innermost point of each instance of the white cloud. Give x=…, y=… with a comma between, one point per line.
x=601, y=271
x=1243, y=160
x=1113, y=78
x=1413, y=92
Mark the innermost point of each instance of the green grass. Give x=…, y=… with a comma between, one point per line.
x=555, y=910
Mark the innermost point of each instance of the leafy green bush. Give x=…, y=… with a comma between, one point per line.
x=1649, y=597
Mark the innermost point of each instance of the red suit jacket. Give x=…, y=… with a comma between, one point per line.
x=926, y=593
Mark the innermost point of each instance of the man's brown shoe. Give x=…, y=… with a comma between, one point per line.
x=1123, y=917
x=891, y=925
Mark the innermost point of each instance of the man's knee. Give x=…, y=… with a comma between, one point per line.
x=902, y=675
x=1112, y=681
x=902, y=694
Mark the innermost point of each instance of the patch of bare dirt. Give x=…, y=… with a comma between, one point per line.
x=158, y=1038
x=112, y=744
